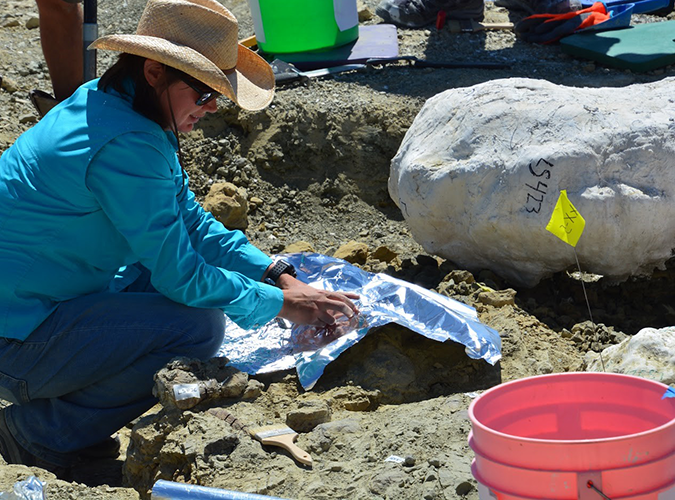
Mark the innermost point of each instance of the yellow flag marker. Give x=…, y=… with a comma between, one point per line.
x=566, y=222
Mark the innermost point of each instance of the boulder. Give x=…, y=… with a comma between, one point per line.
x=308, y=415
x=229, y=204
x=299, y=247
x=480, y=170
x=650, y=354
x=354, y=252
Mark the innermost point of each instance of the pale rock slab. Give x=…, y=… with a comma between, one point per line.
x=650, y=354
x=479, y=172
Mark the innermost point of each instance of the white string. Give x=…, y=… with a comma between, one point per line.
x=581, y=278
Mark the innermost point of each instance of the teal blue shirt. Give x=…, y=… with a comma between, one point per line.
x=95, y=187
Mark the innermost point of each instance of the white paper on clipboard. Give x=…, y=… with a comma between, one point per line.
x=258, y=27
x=346, y=14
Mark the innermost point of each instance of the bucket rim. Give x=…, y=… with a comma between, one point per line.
x=565, y=442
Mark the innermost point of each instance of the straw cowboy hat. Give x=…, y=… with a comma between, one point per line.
x=199, y=37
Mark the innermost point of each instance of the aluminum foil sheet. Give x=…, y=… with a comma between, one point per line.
x=28, y=489
x=280, y=345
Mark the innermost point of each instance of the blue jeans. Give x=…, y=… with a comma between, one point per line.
x=88, y=369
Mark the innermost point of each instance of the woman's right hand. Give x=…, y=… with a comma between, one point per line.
x=305, y=305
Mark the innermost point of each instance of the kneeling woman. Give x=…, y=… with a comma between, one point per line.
x=109, y=266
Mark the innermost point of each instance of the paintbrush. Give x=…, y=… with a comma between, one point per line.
x=471, y=26
x=270, y=435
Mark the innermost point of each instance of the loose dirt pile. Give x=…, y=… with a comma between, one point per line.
x=389, y=417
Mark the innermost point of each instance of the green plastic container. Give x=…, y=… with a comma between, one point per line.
x=287, y=26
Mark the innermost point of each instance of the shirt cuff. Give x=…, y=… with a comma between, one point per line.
x=270, y=301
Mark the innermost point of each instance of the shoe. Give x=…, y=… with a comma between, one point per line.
x=108, y=448
x=418, y=13
x=42, y=101
x=14, y=453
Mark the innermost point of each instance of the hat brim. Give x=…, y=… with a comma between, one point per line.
x=250, y=84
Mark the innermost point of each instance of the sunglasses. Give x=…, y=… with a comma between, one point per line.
x=205, y=96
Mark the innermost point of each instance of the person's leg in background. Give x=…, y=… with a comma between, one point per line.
x=88, y=369
x=61, y=38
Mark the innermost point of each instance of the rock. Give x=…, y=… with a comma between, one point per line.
x=384, y=254
x=480, y=170
x=323, y=436
x=589, y=336
x=354, y=252
x=376, y=266
x=498, y=298
x=32, y=23
x=340, y=427
x=356, y=398
x=183, y=383
x=445, y=477
x=299, y=247
x=648, y=354
x=228, y=204
x=30, y=118
x=392, y=479
x=464, y=488
x=8, y=84
x=308, y=415
x=403, y=366
x=171, y=443
x=365, y=14
x=253, y=389
x=460, y=276
x=542, y=367
x=255, y=202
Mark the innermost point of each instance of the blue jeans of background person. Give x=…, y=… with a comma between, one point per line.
x=88, y=369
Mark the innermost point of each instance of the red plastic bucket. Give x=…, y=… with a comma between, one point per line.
x=574, y=436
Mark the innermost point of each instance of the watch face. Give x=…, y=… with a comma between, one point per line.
x=280, y=267
x=290, y=269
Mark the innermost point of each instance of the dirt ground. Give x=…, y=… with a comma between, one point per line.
x=389, y=418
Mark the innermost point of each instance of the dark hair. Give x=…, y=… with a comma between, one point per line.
x=145, y=98
x=146, y=101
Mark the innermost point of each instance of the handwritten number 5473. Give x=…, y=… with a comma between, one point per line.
x=540, y=187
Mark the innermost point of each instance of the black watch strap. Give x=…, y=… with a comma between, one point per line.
x=280, y=267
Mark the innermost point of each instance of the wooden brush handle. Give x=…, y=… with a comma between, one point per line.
x=497, y=26
x=286, y=441
x=471, y=26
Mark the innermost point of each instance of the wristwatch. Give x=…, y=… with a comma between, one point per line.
x=280, y=267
